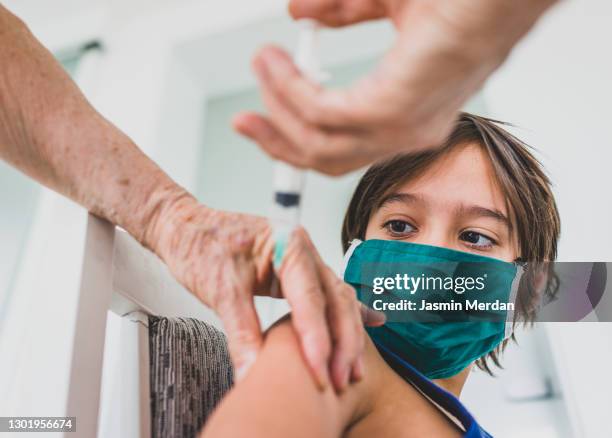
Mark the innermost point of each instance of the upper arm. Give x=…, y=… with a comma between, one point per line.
x=278, y=397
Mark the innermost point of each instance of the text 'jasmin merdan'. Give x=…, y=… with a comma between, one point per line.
x=424, y=305
x=412, y=284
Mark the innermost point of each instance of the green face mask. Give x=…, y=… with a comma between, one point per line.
x=462, y=303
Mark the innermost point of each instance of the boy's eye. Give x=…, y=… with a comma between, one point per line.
x=398, y=227
x=476, y=239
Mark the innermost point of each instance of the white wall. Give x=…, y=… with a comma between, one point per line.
x=61, y=24
x=18, y=196
x=556, y=88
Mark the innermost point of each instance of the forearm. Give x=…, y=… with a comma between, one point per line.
x=49, y=131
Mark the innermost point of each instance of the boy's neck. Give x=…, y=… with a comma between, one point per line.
x=454, y=384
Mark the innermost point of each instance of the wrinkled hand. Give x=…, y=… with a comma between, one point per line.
x=444, y=52
x=225, y=259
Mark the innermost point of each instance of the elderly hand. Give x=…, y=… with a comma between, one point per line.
x=444, y=52
x=225, y=259
x=50, y=132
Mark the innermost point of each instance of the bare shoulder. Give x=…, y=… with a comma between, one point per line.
x=382, y=404
x=278, y=396
x=397, y=408
x=282, y=349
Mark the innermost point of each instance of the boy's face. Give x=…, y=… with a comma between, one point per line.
x=455, y=203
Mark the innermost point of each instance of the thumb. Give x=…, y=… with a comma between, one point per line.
x=243, y=332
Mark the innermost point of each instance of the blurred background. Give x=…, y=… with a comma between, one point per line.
x=172, y=73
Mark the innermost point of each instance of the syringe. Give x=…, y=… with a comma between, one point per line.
x=289, y=180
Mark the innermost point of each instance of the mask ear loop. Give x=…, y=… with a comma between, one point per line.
x=347, y=255
x=521, y=267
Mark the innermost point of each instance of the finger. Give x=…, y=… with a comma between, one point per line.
x=243, y=332
x=346, y=327
x=371, y=317
x=333, y=153
x=310, y=101
x=301, y=286
x=334, y=161
x=368, y=103
x=336, y=12
x=345, y=323
x=286, y=120
x=307, y=139
x=236, y=306
x=259, y=129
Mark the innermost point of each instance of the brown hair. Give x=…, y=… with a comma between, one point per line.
x=521, y=178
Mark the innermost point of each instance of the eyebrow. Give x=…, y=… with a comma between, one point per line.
x=469, y=210
x=479, y=211
x=406, y=198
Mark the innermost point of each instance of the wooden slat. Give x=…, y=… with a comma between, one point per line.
x=88, y=347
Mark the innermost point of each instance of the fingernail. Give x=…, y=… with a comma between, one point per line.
x=322, y=378
x=379, y=317
x=358, y=370
x=375, y=318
